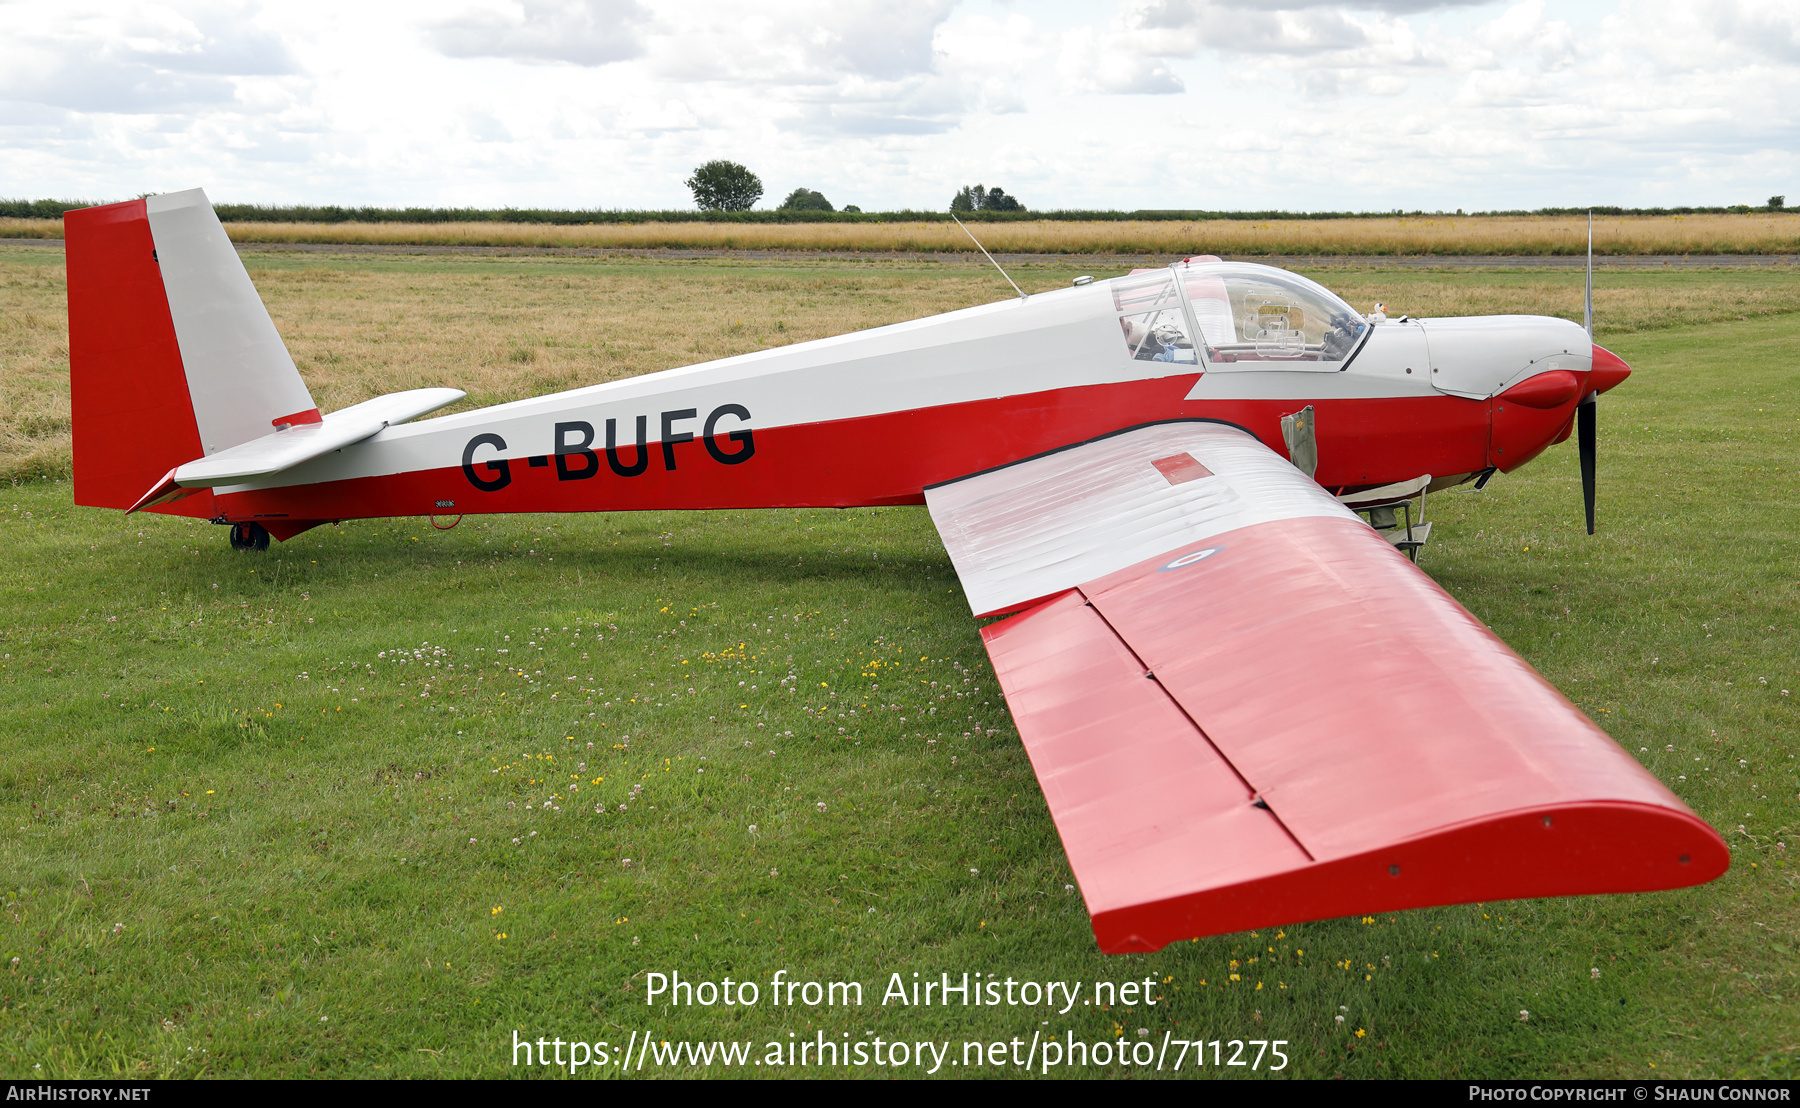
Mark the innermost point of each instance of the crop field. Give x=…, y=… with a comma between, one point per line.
x=385, y=797
x=1748, y=233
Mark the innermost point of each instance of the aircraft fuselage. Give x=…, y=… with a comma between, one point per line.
x=875, y=417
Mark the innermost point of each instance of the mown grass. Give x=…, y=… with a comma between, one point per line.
x=237, y=793
x=1749, y=233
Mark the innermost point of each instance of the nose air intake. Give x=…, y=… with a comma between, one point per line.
x=1545, y=391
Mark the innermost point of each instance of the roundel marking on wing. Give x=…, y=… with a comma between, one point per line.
x=1190, y=559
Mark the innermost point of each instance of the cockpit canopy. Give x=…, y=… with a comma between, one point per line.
x=1243, y=313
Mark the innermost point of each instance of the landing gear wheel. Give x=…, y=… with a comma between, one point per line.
x=249, y=536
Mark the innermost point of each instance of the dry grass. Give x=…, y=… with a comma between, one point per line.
x=1623, y=302
x=502, y=332
x=34, y=367
x=1712, y=234
x=1757, y=233
x=510, y=332
x=31, y=229
x=506, y=330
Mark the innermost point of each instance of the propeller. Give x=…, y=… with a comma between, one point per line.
x=1586, y=430
x=1587, y=427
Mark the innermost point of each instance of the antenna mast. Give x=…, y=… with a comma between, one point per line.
x=987, y=255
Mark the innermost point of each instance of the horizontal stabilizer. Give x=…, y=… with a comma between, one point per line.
x=302, y=442
x=165, y=491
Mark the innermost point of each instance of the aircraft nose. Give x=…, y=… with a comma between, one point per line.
x=1609, y=369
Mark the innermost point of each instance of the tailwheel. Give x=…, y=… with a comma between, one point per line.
x=249, y=536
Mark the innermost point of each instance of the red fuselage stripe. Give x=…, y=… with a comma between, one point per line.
x=890, y=458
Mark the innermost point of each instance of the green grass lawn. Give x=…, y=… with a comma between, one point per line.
x=367, y=804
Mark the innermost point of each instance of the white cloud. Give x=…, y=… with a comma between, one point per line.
x=576, y=32
x=644, y=116
x=135, y=59
x=1115, y=63
x=1138, y=103
x=881, y=40
x=1688, y=37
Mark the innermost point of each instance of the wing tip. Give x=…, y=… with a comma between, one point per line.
x=1596, y=847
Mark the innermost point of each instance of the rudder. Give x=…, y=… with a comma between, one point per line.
x=131, y=416
x=172, y=355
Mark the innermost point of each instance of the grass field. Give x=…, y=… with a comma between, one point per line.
x=285, y=815
x=1750, y=233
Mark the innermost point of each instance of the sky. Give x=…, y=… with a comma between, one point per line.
x=1114, y=104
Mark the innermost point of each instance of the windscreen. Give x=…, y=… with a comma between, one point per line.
x=1260, y=314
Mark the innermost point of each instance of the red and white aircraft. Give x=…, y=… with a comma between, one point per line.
x=1245, y=706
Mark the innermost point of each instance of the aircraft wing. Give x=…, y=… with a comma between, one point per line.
x=1246, y=708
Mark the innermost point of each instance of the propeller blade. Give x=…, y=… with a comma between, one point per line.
x=1587, y=434
x=1587, y=428
x=1587, y=304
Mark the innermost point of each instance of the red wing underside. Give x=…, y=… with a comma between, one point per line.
x=1276, y=717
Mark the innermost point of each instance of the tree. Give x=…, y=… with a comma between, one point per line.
x=721, y=186
x=998, y=201
x=1777, y=201
x=805, y=200
x=975, y=198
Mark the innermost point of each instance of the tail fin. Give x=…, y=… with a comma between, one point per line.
x=172, y=356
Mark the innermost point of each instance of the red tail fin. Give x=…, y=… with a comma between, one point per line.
x=132, y=413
